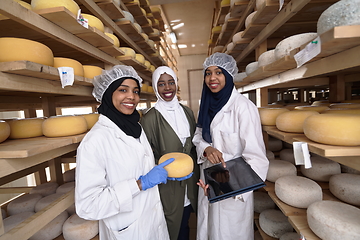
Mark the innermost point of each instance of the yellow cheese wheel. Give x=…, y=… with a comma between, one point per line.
x=319, y=109
x=155, y=9
x=94, y=21
x=61, y=126
x=91, y=71
x=268, y=115
x=4, y=131
x=91, y=119
x=145, y=36
x=71, y=5
x=216, y=29
x=224, y=2
x=17, y=49
x=147, y=64
x=26, y=128
x=139, y=57
x=114, y=38
x=129, y=52
x=138, y=27
x=68, y=62
x=333, y=129
x=152, y=68
x=182, y=165
x=22, y=3
x=155, y=33
x=343, y=111
x=292, y=121
x=144, y=87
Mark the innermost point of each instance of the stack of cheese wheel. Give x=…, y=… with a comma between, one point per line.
x=22, y=3
x=280, y=168
x=333, y=129
x=297, y=191
x=341, y=13
x=71, y=5
x=91, y=71
x=61, y=126
x=319, y=109
x=76, y=228
x=18, y=49
x=182, y=165
x=251, y=67
x=14, y=220
x=26, y=128
x=114, y=38
x=293, y=121
x=128, y=52
x=91, y=119
x=24, y=203
x=346, y=187
x=45, y=189
x=4, y=131
x=68, y=62
x=333, y=220
x=274, y=223
x=284, y=47
x=94, y=22
x=268, y=115
x=263, y=201
x=321, y=170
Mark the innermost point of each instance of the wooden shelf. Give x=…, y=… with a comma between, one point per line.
x=238, y=9
x=111, y=9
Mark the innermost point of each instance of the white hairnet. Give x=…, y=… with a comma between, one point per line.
x=222, y=60
x=102, y=82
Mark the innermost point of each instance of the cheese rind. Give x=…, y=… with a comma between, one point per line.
x=293, y=121
x=61, y=126
x=24, y=203
x=182, y=166
x=76, y=228
x=322, y=169
x=26, y=128
x=68, y=62
x=45, y=189
x=285, y=46
x=268, y=115
x=91, y=119
x=280, y=168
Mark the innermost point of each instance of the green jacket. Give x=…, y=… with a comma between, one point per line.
x=163, y=139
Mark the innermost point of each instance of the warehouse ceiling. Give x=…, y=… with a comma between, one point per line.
x=191, y=21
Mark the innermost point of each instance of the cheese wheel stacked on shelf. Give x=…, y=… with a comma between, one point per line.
x=268, y=115
x=91, y=119
x=61, y=126
x=91, y=71
x=71, y=5
x=293, y=121
x=4, y=131
x=26, y=128
x=68, y=62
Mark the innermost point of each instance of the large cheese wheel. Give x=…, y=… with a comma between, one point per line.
x=270, y=155
x=71, y=5
x=18, y=49
x=280, y=168
x=138, y=27
x=114, y=38
x=216, y=29
x=237, y=38
x=76, y=228
x=51, y=230
x=319, y=109
x=94, y=22
x=287, y=154
x=343, y=111
x=45, y=189
x=346, y=187
x=262, y=201
x=268, y=115
x=91, y=119
x=332, y=220
x=333, y=129
x=69, y=175
x=26, y=128
x=4, y=131
x=129, y=52
x=251, y=67
x=140, y=58
x=147, y=64
x=274, y=223
x=45, y=201
x=266, y=58
x=68, y=62
x=230, y=46
x=24, y=203
x=182, y=165
x=249, y=19
x=274, y=144
x=293, y=121
x=297, y=191
x=341, y=13
x=218, y=49
x=145, y=36
x=66, y=187
x=151, y=43
x=284, y=47
x=14, y=220
x=91, y=71
x=322, y=169
x=155, y=33
x=61, y=126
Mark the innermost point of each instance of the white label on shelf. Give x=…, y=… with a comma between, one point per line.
x=281, y=4
x=302, y=237
x=301, y=154
x=83, y=21
x=311, y=50
x=66, y=76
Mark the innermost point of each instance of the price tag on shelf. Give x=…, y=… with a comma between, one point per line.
x=302, y=154
x=311, y=50
x=66, y=76
x=83, y=21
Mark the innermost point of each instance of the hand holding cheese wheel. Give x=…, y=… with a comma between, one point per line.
x=181, y=167
x=61, y=126
x=4, y=131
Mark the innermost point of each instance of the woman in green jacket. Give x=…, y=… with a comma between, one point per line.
x=170, y=127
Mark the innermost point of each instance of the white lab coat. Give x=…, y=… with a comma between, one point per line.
x=236, y=131
x=108, y=164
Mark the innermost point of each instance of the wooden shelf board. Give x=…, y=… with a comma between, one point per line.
x=111, y=9
x=238, y=9
x=127, y=60
x=284, y=136
x=129, y=28
x=220, y=19
x=112, y=51
x=285, y=208
x=301, y=226
x=147, y=28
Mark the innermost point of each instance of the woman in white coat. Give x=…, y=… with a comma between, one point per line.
x=116, y=178
x=228, y=127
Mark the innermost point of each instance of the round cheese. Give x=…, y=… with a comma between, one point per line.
x=332, y=220
x=341, y=13
x=45, y=189
x=151, y=43
x=224, y=3
x=144, y=87
x=262, y=201
x=145, y=36
x=280, y=168
x=274, y=223
x=91, y=119
x=216, y=29
x=249, y=19
x=92, y=71
x=24, y=203
x=345, y=105
x=251, y=67
x=94, y=22
x=155, y=9
x=140, y=58
x=114, y=38
x=347, y=169
x=147, y=64
x=333, y=129
x=293, y=121
x=266, y=58
x=322, y=169
x=18, y=49
x=155, y=33
x=4, y=131
x=68, y=62
x=127, y=17
x=51, y=230
x=230, y=46
x=297, y=191
x=71, y=5
x=343, y=111
x=268, y=115
x=270, y=155
x=14, y=220
x=284, y=47
x=319, y=109
x=237, y=38
x=274, y=144
x=152, y=68
x=69, y=175
x=239, y=77
x=76, y=228
x=45, y=201
x=287, y=154
x=290, y=236
x=66, y=187
x=61, y=126
x=346, y=187
x=26, y=128
x=138, y=27
x=128, y=52
x=218, y=49
x=182, y=165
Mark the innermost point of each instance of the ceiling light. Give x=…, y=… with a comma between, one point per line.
x=192, y=45
x=178, y=26
x=173, y=37
x=182, y=46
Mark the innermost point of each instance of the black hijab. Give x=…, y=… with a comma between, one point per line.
x=129, y=124
x=211, y=103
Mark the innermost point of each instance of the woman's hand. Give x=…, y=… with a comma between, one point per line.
x=203, y=186
x=214, y=156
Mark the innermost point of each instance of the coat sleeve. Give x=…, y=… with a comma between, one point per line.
x=200, y=144
x=95, y=199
